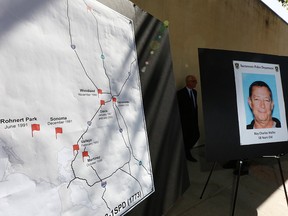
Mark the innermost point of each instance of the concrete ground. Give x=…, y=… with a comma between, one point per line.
x=260, y=193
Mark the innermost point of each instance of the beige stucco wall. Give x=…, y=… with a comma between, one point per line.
x=240, y=25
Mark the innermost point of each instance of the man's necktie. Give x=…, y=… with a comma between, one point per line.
x=192, y=96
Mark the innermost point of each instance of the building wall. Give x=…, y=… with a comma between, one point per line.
x=240, y=25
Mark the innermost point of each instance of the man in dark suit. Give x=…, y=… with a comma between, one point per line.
x=187, y=100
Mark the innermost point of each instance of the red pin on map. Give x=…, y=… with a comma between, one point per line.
x=114, y=99
x=35, y=127
x=102, y=102
x=100, y=91
x=75, y=148
x=58, y=130
x=85, y=154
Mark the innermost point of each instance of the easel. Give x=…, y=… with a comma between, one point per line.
x=240, y=163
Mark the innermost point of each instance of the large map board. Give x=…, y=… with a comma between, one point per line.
x=73, y=138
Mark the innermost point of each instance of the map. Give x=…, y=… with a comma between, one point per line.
x=73, y=138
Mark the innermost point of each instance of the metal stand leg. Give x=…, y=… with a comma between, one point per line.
x=208, y=180
x=282, y=177
x=238, y=180
x=236, y=188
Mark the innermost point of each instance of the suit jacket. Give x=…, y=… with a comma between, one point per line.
x=188, y=116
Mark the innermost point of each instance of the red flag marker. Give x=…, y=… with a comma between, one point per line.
x=35, y=127
x=58, y=130
x=85, y=154
x=75, y=148
x=102, y=102
x=114, y=99
x=100, y=91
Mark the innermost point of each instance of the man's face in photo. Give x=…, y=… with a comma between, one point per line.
x=261, y=103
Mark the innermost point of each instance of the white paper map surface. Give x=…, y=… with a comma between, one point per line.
x=73, y=138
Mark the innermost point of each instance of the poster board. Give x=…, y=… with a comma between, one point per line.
x=73, y=137
x=225, y=80
x=247, y=74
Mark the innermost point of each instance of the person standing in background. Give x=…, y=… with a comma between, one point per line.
x=188, y=108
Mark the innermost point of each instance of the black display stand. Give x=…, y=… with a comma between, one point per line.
x=240, y=163
x=221, y=106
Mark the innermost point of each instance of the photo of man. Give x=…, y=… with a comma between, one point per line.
x=261, y=103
